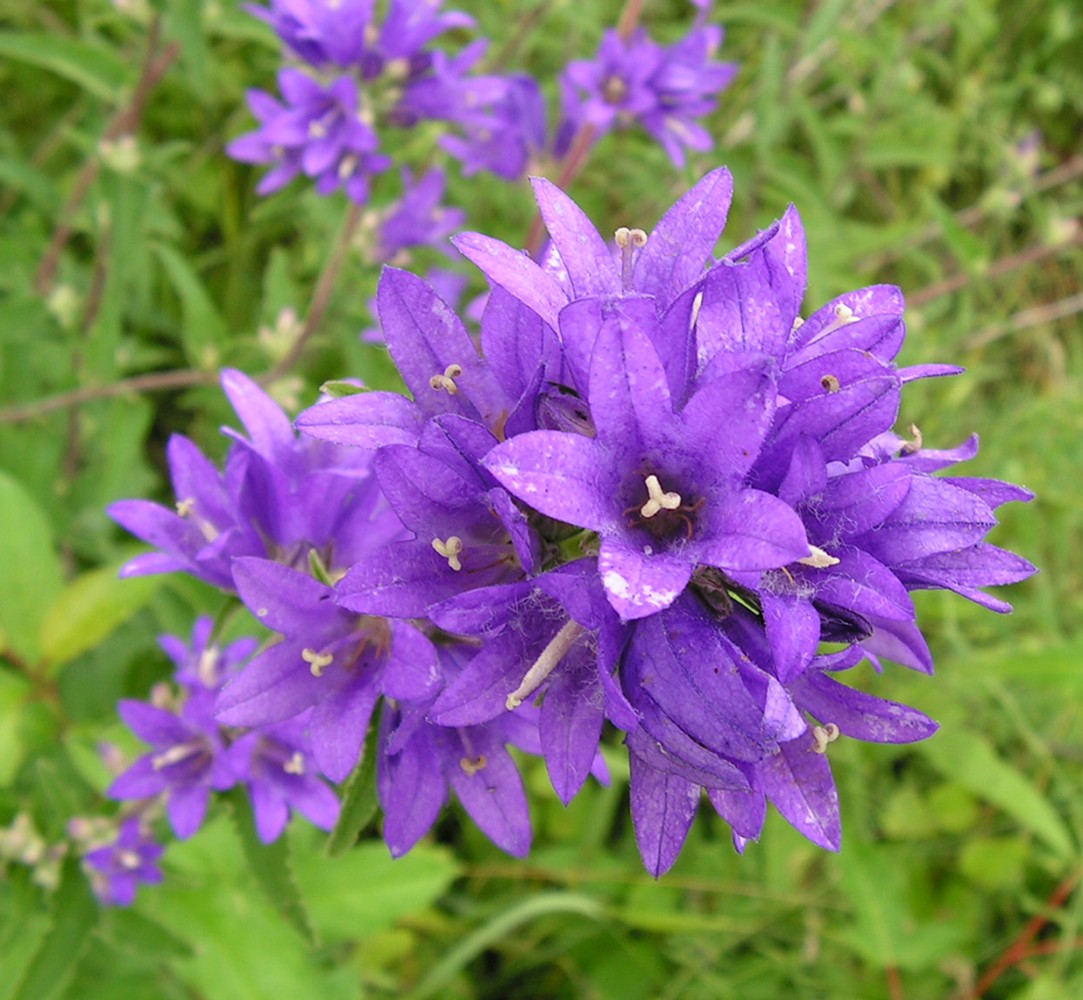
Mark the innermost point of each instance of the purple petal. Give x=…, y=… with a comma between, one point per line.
x=338, y=727
x=516, y=273
x=366, y=420
x=278, y=684
x=663, y=807
x=799, y=784
x=494, y=797
x=587, y=258
x=860, y=715
x=571, y=723
x=684, y=238
x=639, y=585
x=749, y=530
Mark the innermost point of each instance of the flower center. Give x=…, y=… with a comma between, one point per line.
x=629, y=240
x=664, y=512
x=446, y=380
x=614, y=90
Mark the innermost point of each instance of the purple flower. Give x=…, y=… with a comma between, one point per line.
x=275, y=763
x=663, y=487
x=635, y=80
x=279, y=497
x=187, y=761
x=117, y=869
x=322, y=33
x=418, y=219
x=336, y=663
x=324, y=132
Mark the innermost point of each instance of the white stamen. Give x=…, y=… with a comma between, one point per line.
x=317, y=130
x=347, y=167
x=818, y=558
x=628, y=240
x=471, y=765
x=446, y=381
x=545, y=664
x=822, y=735
x=174, y=755
x=657, y=499
x=450, y=548
x=844, y=314
x=129, y=860
x=317, y=662
x=913, y=445
x=207, y=669
x=798, y=322
x=296, y=764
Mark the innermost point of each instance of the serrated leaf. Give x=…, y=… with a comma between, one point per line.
x=358, y=801
x=89, y=609
x=973, y=763
x=272, y=867
x=96, y=68
x=31, y=576
x=74, y=914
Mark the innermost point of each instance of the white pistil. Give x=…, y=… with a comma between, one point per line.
x=818, y=559
x=545, y=664
x=844, y=315
x=822, y=735
x=174, y=755
x=296, y=764
x=628, y=240
x=798, y=322
x=446, y=381
x=317, y=662
x=317, y=130
x=450, y=548
x=185, y=507
x=471, y=765
x=207, y=670
x=657, y=500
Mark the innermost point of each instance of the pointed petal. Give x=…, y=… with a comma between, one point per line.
x=749, y=530
x=663, y=807
x=860, y=715
x=516, y=273
x=684, y=238
x=366, y=420
x=639, y=585
x=587, y=258
x=495, y=799
x=799, y=784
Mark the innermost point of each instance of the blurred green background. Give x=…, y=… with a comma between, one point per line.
x=935, y=145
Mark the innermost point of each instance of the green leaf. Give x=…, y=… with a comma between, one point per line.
x=336, y=389
x=271, y=865
x=358, y=801
x=186, y=25
x=89, y=609
x=95, y=68
x=973, y=763
x=14, y=694
x=74, y=914
x=31, y=576
x=885, y=932
x=995, y=864
x=204, y=330
x=366, y=890
x=500, y=927
x=971, y=252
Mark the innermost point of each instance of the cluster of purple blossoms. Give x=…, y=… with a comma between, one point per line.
x=652, y=497
x=192, y=755
x=634, y=80
x=360, y=77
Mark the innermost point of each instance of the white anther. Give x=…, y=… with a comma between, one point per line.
x=471, y=765
x=844, y=314
x=296, y=764
x=545, y=664
x=657, y=499
x=446, y=381
x=915, y=443
x=317, y=662
x=822, y=735
x=185, y=507
x=450, y=548
x=818, y=559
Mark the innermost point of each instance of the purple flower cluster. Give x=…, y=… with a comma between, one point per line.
x=193, y=754
x=653, y=496
x=635, y=80
x=361, y=77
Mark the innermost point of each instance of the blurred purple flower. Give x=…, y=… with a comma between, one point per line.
x=117, y=869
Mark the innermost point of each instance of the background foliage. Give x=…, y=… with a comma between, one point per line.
x=934, y=145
